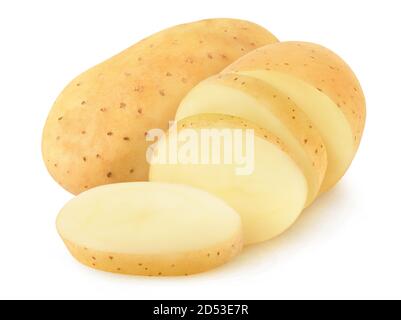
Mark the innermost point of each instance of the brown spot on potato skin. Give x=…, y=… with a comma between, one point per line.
x=109, y=133
x=126, y=139
x=122, y=105
x=162, y=93
x=139, y=88
x=109, y=174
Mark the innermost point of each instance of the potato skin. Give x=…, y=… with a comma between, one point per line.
x=180, y=264
x=318, y=66
x=95, y=132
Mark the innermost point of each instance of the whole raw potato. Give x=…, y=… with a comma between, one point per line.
x=95, y=133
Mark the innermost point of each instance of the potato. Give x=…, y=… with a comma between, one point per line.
x=95, y=132
x=254, y=100
x=323, y=86
x=269, y=198
x=152, y=229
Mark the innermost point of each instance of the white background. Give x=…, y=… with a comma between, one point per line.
x=347, y=245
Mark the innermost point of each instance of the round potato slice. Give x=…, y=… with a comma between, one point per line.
x=266, y=186
x=151, y=229
x=255, y=100
x=323, y=86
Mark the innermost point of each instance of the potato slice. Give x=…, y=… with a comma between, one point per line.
x=269, y=199
x=254, y=100
x=151, y=229
x=323, y=86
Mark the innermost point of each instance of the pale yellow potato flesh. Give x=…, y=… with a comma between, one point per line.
x=323, y=85
x=325, y=115
x=95, y=132
x=269, y=200
x=150, y=229
x=254, y=100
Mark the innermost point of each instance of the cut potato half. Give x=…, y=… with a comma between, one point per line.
x=269, y=198
x=151, y=229
x=323, y=86
x=254, y=100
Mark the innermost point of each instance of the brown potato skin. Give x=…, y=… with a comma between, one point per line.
x=95, y=132
x=318, y=66
x=179, y=264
